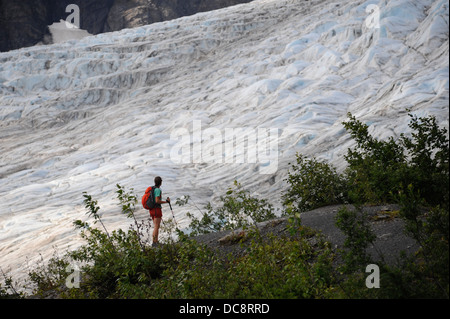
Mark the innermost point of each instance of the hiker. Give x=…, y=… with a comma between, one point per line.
x=156, y=212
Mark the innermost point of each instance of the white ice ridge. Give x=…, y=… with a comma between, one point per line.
x=82, y=116
x=65, y=31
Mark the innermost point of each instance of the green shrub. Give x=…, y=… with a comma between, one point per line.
x=238, y=209
x=379, y=170
x=114, y=265
x=278, y=268
x=355, y=226
x=9, y=289
x=282, y=268
x=313, y=184
x=412, y=171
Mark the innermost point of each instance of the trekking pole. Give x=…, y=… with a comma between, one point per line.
x=170, y=205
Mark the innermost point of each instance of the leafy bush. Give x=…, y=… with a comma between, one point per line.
x=238, y=209
x=9, y=288
x=313, y=184
x=283, y=268
x=279, y=268
x=355, y=225
x=379, y=170
x=412, y=171
x=115, y=265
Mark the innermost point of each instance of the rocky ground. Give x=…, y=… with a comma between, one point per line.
x=384, y=220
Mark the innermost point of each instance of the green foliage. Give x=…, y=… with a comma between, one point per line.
x=430, y=228
x=376, y=168
x=92, y=210
x=114, y=265
x=429, y=163
x=283, y=268
x=239, y=209
x=127, y=201
x=278, y=268
x=412, y=171
x=49, y=278
x=8, y=290
x=355, y=226
x=313, y=184
x=379, y=170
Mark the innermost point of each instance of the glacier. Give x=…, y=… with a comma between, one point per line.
x=83, y=115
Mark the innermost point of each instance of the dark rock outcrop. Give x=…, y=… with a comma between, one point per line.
x=25, y=23
x=22, y=23
x=389, y=229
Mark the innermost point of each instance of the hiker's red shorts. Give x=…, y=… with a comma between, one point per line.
x=155, y=213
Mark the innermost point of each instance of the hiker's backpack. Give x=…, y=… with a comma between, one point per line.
x=148, y=200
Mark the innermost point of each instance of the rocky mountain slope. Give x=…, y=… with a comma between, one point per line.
x=24, y=23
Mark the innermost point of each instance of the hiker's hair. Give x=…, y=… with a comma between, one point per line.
x=158, y=181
